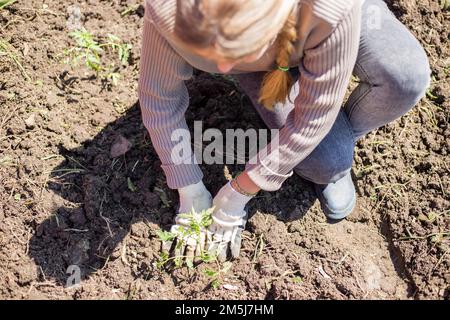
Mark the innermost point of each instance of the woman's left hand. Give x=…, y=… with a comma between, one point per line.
x=229, y=219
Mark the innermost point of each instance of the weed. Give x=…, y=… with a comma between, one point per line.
x=216, y=275
x=90, y=51
x=197, y=222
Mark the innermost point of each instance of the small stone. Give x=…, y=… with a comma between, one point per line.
x=120, y=147
x=30, y=122
x=229, y=287
x=26, y=49
x=52, y=98
x=74, y=18
x=77, y=217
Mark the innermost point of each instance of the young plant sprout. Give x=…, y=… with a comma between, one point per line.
x=90, y=52
x=196, y=223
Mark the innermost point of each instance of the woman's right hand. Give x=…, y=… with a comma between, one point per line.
x=193, y=199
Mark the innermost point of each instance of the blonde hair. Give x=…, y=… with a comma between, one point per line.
x=237, y=28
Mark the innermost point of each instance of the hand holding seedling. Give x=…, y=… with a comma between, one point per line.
x=209, y=230
x=187, y=239
x=188, y=234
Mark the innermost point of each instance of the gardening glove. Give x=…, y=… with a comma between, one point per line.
x=193, y=200
x=228, y=221
x=194, y=196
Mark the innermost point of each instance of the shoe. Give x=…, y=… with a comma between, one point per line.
x=337, y=199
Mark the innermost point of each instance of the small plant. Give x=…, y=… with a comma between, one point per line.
x=89, y=51
x=216, y=275
x=197, y=223
x=5, y=3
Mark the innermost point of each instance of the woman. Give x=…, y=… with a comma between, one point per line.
x=264, y=43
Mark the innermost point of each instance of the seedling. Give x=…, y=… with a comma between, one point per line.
x=90, y=51
x=197, y=222
x=216, y=275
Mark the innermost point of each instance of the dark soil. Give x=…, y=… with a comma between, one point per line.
x=81, y=183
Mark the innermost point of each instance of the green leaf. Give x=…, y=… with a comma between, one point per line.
x=180, y=243
x=129, y=10
x=194, y=227
x=206, y=219
x=93, y=62
x=163, y=197
x=17, y=197
x=211, y=273
x=178, y=261
x=124, y=53
x=131, y=185
x=163, y=258
x=215, y=283
x=165, y=235
x=297, y=280
x=430, y=95
x=206, y=257
x=190, y=263
x=5, y=3
x=114, y=78
x=113, y=38
x=186, y=216
x=95, y=48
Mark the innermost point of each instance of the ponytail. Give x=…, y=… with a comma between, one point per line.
x=276, y=84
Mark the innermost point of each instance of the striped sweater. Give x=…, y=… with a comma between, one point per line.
x=325, y=54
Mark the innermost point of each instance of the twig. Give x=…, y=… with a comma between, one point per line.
x=76, y=230
x=107, y=220
x=40, y=10
x=438, y=263
x=259, y=248
x=123, y=255
x=4, y=46
x=443, y=234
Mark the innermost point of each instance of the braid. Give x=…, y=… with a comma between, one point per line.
x=277, y=84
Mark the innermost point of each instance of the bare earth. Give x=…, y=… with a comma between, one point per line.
x=65, y=200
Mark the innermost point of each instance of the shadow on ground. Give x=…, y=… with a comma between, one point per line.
x=105, y=195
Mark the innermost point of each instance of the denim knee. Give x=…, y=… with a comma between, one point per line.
x=333, y=157
x=405, y=80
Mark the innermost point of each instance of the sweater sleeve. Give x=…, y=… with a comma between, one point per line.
x=163, y=98
x=325, y=72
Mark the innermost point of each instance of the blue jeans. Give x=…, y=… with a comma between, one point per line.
x=394, y=74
